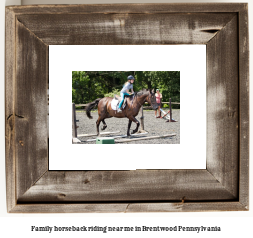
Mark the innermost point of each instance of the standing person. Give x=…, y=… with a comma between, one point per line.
x=158, y=96
x=125, y=90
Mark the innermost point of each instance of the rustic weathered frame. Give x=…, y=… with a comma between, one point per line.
x=222, y=186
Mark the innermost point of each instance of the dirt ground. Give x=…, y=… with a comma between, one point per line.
x=154, y=127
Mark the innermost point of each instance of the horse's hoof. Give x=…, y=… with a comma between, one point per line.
x=133, y=132
x=104, y=127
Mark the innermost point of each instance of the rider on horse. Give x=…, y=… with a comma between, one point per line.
x=105, y=110
x=125, y=90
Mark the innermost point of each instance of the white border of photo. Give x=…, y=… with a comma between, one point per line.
x=190, y=60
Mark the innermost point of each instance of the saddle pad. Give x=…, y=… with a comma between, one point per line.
x=114, y=104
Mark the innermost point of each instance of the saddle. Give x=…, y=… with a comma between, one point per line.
x=116, y=100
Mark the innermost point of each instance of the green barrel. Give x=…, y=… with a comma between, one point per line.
x=105, y=140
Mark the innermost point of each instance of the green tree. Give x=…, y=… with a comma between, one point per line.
x=89, y=85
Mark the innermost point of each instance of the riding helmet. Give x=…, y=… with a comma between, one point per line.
x=130, y=77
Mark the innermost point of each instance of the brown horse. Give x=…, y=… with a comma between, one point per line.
x=131, y=110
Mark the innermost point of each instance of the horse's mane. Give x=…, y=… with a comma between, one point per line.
x=141, y=92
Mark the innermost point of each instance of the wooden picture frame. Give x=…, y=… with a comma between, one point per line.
x=222, y=186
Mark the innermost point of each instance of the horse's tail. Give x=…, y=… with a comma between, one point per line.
x=90, y=106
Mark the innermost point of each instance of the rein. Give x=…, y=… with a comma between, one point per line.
x=132, y=103
x=138, y=101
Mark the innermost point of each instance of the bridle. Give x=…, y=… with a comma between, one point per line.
x=149, y=97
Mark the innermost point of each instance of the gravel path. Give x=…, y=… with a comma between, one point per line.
x=155, y=127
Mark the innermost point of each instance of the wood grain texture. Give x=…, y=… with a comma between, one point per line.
x=244, y=106
x=118, y=29
x=129, y=8
x=129, y=207
x=223, y=186
x=10, y=64
x=140, y=185
x=186, y=207
x=222, y=107
x=30, y=108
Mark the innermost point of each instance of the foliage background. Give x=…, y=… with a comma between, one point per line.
x=90, y=85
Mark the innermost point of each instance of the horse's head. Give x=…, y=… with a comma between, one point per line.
x=151, y=99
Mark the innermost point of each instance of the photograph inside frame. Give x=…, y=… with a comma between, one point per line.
x=126, y=107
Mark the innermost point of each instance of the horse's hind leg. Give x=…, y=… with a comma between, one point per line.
x=97, y=124
x=104, y=126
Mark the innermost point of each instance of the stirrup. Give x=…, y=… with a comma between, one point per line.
x=119, y=110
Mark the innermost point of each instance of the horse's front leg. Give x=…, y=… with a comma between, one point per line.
x=128, y=128
x=137, y=124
